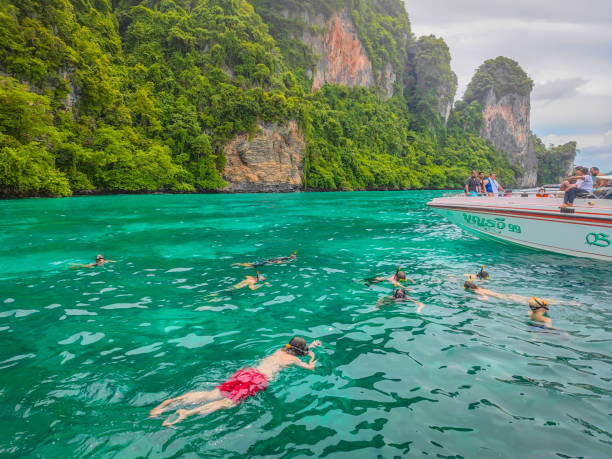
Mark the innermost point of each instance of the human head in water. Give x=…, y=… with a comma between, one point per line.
x=99, y=258
x=399, y=294
x=537, y=303
x=468, y=284
x=482, y=274
x=400, y=275
x=260, y=277
x=297, y=346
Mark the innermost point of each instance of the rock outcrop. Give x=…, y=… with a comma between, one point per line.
x=503, y=89
x=505, y=122
x=343, y=59
x=270, y=161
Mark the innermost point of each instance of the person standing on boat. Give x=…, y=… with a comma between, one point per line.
x=472, y=185
x=491, y=186
x=582, y=187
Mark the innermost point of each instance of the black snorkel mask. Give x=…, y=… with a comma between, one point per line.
x=539, y=304
x=296, y=350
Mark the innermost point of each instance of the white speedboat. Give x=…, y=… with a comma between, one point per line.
x=526, y=219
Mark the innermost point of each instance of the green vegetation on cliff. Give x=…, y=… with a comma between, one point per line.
x=143, y=95
x=501, y=74
x=554, y=162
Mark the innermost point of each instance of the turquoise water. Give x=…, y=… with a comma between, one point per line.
x=86, y=353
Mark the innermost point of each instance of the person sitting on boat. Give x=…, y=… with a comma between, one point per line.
x=538, y=309
x=270, y=261
x=598, y=182
x=399, y=276
x=243, y=384
x=583, y=187
x=99, y=262
x=472, y=185
x=252, y=282
x=491, y=186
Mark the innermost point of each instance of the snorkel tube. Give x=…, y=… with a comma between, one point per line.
x=469, y=284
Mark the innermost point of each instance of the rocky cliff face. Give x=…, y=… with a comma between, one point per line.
x=503, y=89
x=342, y=58
x=271, y=161
x=505, y=122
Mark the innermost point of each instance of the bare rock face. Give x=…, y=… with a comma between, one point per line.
x=343, y=59
x=506, y=125
x=271, y=161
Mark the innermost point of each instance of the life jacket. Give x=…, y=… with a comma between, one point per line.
x=492, y=186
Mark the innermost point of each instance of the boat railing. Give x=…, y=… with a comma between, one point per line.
x=545, y=191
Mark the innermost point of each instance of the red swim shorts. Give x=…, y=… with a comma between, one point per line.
x=243, y=384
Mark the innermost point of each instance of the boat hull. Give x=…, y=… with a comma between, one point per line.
x=588, y=235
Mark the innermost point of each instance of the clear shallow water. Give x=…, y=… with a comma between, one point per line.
x=86, y=353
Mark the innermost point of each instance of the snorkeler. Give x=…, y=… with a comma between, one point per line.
x=482, y=274
x=538, y=310
x=271, y=261
x=99, y=262
x=484, y=294
x=244, y=383
x=251, y=281
x=399, y=294
x=399, y=276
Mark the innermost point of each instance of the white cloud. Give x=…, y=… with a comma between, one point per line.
x=564, y=46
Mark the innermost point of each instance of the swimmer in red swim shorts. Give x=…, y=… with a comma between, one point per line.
x=243, y=384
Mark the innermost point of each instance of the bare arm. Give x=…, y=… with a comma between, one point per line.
x=307, y=366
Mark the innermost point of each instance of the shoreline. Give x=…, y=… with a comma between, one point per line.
x=111, y=193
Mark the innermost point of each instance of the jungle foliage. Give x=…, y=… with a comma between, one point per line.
x=554, y=162
x=129, y=95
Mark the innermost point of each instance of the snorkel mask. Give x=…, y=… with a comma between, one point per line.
x=537, y=303
x=297, y=346
x=99, y=257
x=400, y=275
x=260, y=277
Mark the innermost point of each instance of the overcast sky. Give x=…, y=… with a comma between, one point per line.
x=565, y=46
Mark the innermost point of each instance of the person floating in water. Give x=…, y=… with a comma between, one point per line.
x=482, y=274
x=538, y=309
x=271, y=261
x=399, y=294
x=484, y=294
x=243, y=384
x=99, y=262
x=252, y=281
x=399, y=276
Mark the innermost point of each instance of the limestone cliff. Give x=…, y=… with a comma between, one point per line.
x=503, y=89
x=436, y=83
x=341, y=43
x=270, y=161
x=342, y=58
